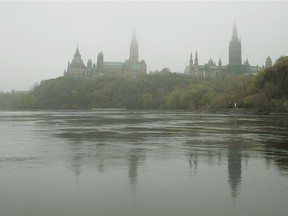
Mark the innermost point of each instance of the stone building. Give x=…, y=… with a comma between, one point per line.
x=131, y=67
x=210, y=69
x=235, y=54
x=77, y=67
x=235, y=65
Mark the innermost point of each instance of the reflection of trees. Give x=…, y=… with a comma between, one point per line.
x=213, y=157
x=101, y=156
x=277, y=149
x=102, y=147
x=277, y=152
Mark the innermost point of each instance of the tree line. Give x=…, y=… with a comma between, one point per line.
x=265, y=92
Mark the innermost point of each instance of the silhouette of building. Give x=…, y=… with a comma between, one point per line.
x=235, y=54
x=76, y=67
x=131, y=67
x=210, y=69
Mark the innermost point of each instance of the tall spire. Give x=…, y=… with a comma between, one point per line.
x=196, y=59
x=134, y=40
x=134, y=50
x=234, y=33
x=77, y=53
x=191, y=60
x=235, y=48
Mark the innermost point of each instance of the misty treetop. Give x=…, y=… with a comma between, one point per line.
x=268, y=91
x=157, y=91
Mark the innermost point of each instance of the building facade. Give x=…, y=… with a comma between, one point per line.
x=210, y=69
x=131, y=67
x=235, y=65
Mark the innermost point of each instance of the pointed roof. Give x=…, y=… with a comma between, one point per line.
x=234, y=32
x=134, y=40
x=196, y=58
x=191, y=60
x=77, y=53
x=77, y=62
x=220, y=62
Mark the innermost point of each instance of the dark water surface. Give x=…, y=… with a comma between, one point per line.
x=122, y=163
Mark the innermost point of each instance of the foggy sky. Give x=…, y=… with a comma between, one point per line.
x=38, y=38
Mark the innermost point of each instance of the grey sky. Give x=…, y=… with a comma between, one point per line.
x=38, y=38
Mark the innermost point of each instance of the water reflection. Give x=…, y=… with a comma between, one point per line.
x=104, y=139
x=277, y=152
x=193, y=161
x=136, y=156
x=234, y=168
x=112, y=152
x=235, y=159
x=115, y=139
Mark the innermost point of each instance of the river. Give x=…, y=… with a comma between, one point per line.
x=140, y=163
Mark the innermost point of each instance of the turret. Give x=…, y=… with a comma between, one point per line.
x=100, y=61
x=196, y=59
x=220, y=63
x=268, y=62
x=191, y=61
x=89, y=64
x=246, y=62
x=210, y=62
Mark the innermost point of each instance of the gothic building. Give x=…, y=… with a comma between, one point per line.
x=235, y=54
x=131, y=67
x=77, y=66
x=210, y=69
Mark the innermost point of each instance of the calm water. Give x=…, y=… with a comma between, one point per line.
x=113, y=162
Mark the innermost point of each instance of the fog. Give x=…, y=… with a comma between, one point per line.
x=38, y=38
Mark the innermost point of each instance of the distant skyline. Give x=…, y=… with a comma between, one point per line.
x=38, y=38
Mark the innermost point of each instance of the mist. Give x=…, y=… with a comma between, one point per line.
x=38, y=38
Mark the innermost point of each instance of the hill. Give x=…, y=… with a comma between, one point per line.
x=264, y=93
